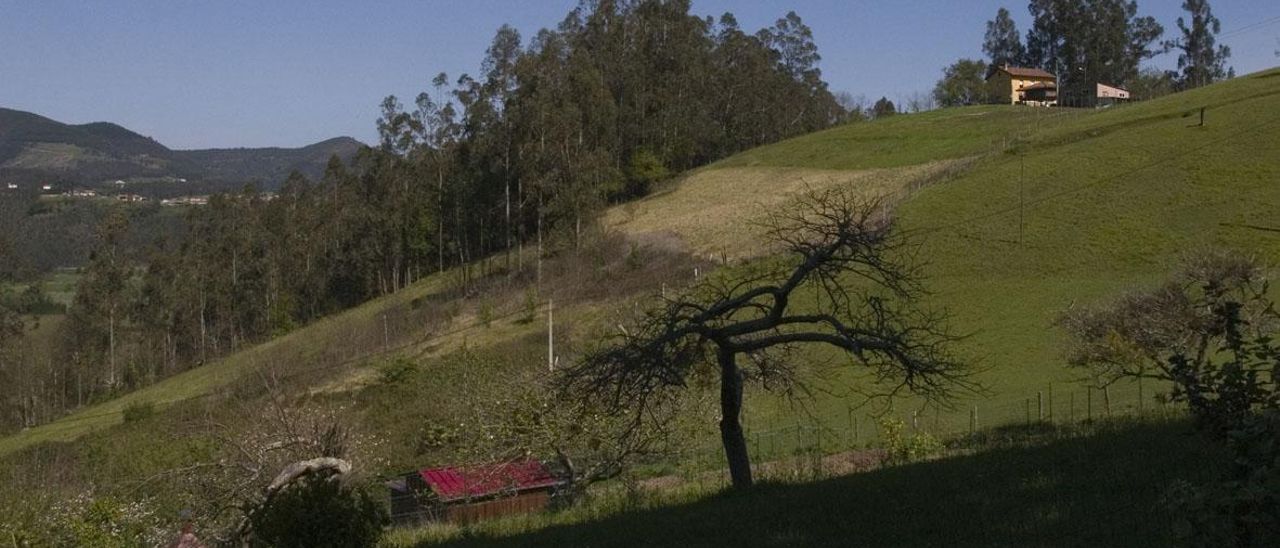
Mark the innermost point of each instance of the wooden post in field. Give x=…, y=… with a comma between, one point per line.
x=849, y=411
x=1021, y=177
x=973, y=420
x=1071, y=415
x=551, y=339
x=1088, y=406
x=1106, y=400
x=1039, y=406
x=1050, y=402
x=386, y=335
x=915, y=420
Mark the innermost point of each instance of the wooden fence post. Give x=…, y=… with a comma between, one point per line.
x=1039, y=406
x=849, y=410
x=1088, y=406
x=1050, y=402
x=1106, y=400
x=1071, y=414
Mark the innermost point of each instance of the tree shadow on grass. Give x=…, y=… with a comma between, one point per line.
x=1101, y=490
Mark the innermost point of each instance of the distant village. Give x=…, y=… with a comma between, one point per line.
x=111, y=190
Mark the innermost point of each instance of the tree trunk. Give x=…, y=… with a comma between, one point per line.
x=735, y=443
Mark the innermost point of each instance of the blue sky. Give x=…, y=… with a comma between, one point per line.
x=285, y=73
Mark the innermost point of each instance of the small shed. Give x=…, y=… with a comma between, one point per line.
x=462, y=494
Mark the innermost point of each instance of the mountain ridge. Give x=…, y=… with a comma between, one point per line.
x=34, y=148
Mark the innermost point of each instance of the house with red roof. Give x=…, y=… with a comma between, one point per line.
x=1024, y=86
x=462, y=494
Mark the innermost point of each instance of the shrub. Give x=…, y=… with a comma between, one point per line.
x=644, y=169
x=901, y=448
x=530, y=305
x=397, y=370
x=137, y=411
x=1243, y=507
x=1209, y=331
x=634, y=260
x=320, y=512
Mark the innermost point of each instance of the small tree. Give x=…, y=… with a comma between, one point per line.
x=962, y=84
x=644, y=169
x=883, y=108
x=1208, y=331
x=839, y=248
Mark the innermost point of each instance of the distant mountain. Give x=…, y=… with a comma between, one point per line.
x=35, y=148
x=268, y=164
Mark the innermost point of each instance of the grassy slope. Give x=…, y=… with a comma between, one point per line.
x=339, y=337
x=1111, y=199
x=1088, y=232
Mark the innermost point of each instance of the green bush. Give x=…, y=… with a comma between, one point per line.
x=644, y=170
x=320, y=512
x=137, y=411
x=397, y=370
x=901, y=448
x=530, y=306
x=1243, y=507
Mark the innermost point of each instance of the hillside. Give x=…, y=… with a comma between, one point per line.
x=1018, y=213
x=268, y=164
x=37, y=149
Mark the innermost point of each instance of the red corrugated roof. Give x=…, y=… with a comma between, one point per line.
x=1027, y=72
x=1021, y=72
x=452, y=483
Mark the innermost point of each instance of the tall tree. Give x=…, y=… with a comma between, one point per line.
x=1086, y=42
x=1202, y=61
x=98, y=313
x=962, y=84
x=1002, y=43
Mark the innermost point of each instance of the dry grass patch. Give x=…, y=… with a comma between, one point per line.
x=714, y=212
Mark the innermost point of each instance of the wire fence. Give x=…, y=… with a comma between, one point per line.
x=852, y=439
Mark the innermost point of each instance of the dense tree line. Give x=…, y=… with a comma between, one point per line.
x=1086, y=42
x=525, y=154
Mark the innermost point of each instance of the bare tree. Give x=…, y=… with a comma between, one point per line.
x=838, y=247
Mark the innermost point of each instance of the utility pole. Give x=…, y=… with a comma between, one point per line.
x=1021, y=199
x=551, y=339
